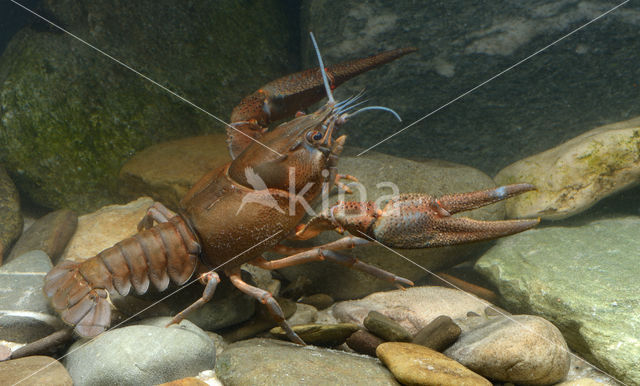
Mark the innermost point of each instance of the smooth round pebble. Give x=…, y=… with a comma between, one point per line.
x=364, y=342
x=441, y=333
x=386, y=328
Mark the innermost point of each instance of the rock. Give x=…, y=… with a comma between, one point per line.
x=413, y=364
x=142, y=354
x=364, y=342
x=105, y=227
x=10, y=216
x=228, y=307
x=34, y=370
x=261, y=322
x=327, y=335
x=5, y=352
x=413, y=308
x=580, y=371
x=441, y=333
x=386, y=328
x=299, y=286
x=432, y=177
x=581, y=382
x=85, y=135
x=189, y=381
x=319, y=301
x=593, y=284
x=25, y=313
x=218, y=340
x=305, y=314
x=469, y=43
x=575, y=175
x=49, y=234
x=268, y=361
x=167, y=170
x=521, y=349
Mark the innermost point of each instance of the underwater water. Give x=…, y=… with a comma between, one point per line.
x=121, y=100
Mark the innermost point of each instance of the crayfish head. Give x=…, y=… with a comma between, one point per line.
x=296, y=153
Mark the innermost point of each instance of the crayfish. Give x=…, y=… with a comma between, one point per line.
x=294, y=161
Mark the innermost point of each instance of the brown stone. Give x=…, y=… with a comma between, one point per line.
x=167, y=170
x=50, y=234
x=319, y=301
x=413, y=364
x=364, y=342
x=34, y=370
x=441, y=333
x=386, y=328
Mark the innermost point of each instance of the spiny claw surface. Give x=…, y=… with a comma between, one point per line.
x=284, y=97
x=422, y=221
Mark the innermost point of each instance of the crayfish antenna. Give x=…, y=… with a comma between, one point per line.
x=324, y=73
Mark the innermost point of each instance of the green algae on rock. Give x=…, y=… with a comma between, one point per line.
x=575, y=175
x=582, y=279
x=71, y=117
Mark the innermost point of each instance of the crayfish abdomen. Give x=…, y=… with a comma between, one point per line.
x=167, y=251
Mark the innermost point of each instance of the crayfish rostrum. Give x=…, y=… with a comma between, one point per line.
x=293, y=162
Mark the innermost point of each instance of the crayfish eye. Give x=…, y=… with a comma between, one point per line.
x=314, y=136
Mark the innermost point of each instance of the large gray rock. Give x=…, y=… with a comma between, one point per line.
x=582, y=279
x=580, y=82
x=432, y=177
x=25, y=313
x=71, y=116
x=10, y=216
x=268, y=361
x=141, y=355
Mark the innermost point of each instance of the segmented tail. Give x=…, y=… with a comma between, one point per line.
x=79, y=291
